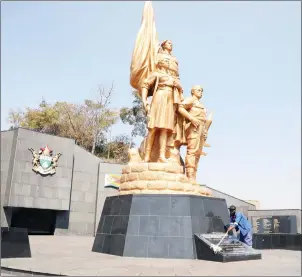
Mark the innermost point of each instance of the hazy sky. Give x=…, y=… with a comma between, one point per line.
x=247, y=56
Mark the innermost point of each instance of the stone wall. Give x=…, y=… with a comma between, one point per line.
x=30, y=189
x=102, y=193
x=8, y=147
x=83, y=195
x=76, y=191
x=283, y=212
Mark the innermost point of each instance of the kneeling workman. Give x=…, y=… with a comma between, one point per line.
x=240, y=223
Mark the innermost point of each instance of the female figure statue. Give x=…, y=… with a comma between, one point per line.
x=167, y=94
x=154, y=72
x=147, y=51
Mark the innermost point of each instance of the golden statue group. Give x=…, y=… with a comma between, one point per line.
x=173, y=121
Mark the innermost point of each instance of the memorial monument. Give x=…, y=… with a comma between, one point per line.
x=160, y=206
x=172, y=120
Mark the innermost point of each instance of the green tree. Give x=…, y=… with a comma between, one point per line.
x=86, y=123
x=100, y=117
x=44, y=119
x=135, y=116
x=116, y=149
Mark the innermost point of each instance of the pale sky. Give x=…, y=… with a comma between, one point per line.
x=246, y=55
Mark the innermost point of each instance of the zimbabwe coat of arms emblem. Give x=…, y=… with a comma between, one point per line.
x=43, y=160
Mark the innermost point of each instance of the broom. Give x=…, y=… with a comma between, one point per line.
x=217, y=248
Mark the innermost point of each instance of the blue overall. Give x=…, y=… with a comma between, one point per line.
x=243, y=225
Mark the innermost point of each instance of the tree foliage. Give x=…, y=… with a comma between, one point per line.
x=135, y=116
x=86, y=123
x=46, y=118
x=115, y=149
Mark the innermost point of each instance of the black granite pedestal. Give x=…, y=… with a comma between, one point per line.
x=14, y=243
x=157, y=226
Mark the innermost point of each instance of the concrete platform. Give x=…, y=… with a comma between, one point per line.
x=73, y=256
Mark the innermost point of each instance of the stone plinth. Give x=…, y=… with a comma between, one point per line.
x=14, y=243
x=157, y=226
x=158, y=178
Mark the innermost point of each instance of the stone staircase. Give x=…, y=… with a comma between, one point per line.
x=232, y=248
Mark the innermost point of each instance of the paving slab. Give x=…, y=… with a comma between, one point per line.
x=72, y=256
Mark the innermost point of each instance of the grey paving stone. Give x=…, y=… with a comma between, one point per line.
x=72, y=255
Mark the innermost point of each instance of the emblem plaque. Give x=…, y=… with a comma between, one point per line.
x=43, y=160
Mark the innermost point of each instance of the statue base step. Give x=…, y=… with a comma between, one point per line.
x=232, y=249
x=158, y=178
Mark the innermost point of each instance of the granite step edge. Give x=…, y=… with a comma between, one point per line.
x=22, y=272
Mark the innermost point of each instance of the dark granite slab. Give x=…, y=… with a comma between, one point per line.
x=277, y=241
x=15, y=243
x=232, y=249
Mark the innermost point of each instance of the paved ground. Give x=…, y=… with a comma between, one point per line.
x=73, y=256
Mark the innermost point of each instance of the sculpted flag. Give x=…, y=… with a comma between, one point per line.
x=145, y=49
